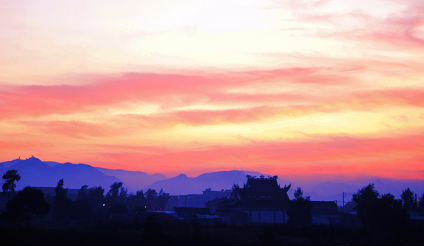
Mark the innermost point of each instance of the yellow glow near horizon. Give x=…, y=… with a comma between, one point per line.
x=190, y=85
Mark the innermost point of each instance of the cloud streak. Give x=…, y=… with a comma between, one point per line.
x=173, y=91
x=168, y=90
x=314, y=87
x=342, y=155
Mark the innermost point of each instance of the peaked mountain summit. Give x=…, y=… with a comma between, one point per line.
x=37, y=173
x=182, y=184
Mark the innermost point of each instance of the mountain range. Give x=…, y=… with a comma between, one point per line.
x=35, y=172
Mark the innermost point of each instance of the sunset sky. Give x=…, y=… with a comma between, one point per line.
x=315, y=89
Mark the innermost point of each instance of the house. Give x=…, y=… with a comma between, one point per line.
x=200, y=215
x=172, y=203
x=190, y=213
x=325, y=212
x=199, y=200
x=261, y=200
x=324, y=207
x=220, y=205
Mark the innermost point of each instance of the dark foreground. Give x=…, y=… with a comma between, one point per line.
x=150, y=233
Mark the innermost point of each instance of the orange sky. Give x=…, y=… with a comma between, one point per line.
x=303, y=89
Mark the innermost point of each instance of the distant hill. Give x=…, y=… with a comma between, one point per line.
x=35, y=172
x=10, y=163
x=182, y=184
x=52, y=163
x=332, y=191
x=136, y=180
x=3, y=170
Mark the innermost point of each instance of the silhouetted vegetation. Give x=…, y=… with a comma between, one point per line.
x=9, y=181
x=408, y=200
x=120, y=218
x=421, y=205
x=162, y=200
x=151, y=199
x=114, y=189
x=380, y=213
x=27, y=204
x=154, y=233
x=62, y=207
x=82, y=206
x=299, y=211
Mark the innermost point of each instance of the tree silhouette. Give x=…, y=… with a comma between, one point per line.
x=421, y=205
x=151, y=199
x=82, y=208
x=96, y=193
x=123, y=192
x=385, y=213
x=116, y=199
x=138, y=202
x=114, y=189
x=96, y=197
x=62, y=204
x=298, y=193
x=299, y=211
x=391, y=213
x=366, y=199
x=10, y=177
x=162, y=200
x=83, y=192
x=408, y=200
x=236, y=191
x=117, y=208
x=27, y=204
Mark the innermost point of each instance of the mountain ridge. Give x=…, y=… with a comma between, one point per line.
x=35, y=172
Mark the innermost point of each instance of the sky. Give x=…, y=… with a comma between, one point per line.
x=319, y=89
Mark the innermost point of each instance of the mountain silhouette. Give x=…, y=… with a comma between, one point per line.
x=7, y=164
x=182, y=184
x=3, y=169
x=133, y=179
x=31, y=163
x=35, y=172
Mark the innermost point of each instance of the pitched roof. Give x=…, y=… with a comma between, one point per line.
x=262, y=185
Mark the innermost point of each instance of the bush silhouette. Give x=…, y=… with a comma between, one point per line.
x=27, y=204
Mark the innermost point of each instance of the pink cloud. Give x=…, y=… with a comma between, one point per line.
x=300, y=5
x=72, y=129
x=344, y=156
x=299, y=105
x=338, y=156
x=365, y=100
x=169, y=90
x=383, y=33
x=401, y=96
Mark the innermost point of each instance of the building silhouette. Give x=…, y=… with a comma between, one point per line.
x=261, y=200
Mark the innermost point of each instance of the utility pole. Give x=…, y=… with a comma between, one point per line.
x=343, y=200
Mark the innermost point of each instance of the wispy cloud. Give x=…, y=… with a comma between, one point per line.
x=168, y=90
x=338, y=155
x=314, y=87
